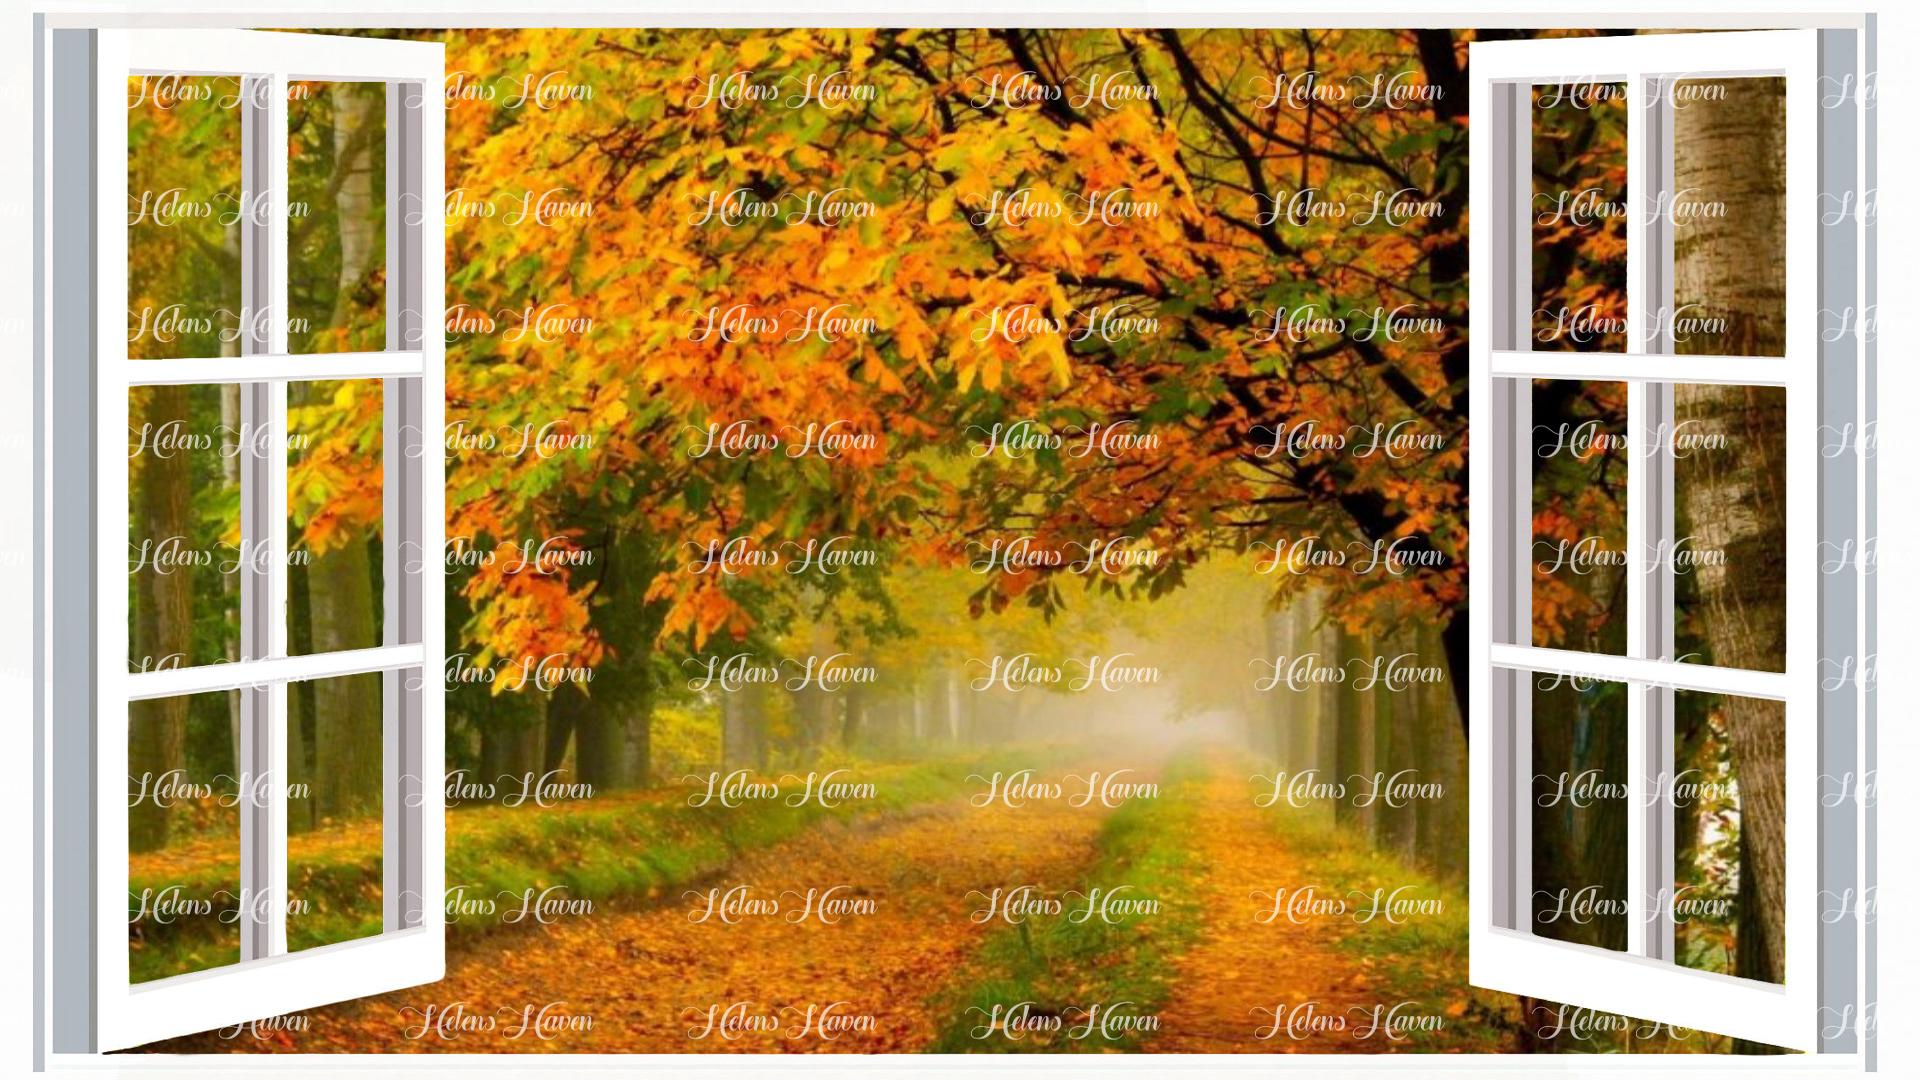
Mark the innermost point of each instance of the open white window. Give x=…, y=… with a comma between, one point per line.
x=1664, y=511
x=248, y=405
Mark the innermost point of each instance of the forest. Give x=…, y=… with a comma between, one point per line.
x=864, y=443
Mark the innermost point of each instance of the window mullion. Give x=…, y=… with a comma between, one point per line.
x=1519, y=501
x=1643, y=566
x=1650, y=524
x=271, y=899
x=1655, y=508
x=1512, y=414
x=257, y=750
x=263, y=519
x=1643, y=560
x=1655, y=791
x=406, y=557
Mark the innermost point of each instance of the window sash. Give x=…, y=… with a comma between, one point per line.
x=1805, y=1012
x=268, y=979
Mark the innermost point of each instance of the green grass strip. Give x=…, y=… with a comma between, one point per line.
x=1051, y=967
x=631, y=848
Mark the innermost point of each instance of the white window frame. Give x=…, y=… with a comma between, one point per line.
x=1816, y=1008
x=96, y=1006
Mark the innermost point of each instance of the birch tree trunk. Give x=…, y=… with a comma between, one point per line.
x=347, y=741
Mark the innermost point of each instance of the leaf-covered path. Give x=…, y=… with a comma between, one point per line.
x=647, y=978
x=643, y=976
x=1228, y=983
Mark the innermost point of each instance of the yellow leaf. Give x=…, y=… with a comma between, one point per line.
x=753, y=50
x=941, y=208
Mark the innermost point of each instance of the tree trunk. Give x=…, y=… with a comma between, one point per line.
x=1579, y=847
x=611, y=720
x=809, y=722
x=163, y=617
x=600, y=742
x=1455, y=642
x=1278, y=718
x=509, y=749
x=1354, y=734
x=853, y=726
x=637, y=720
x=918, y=703
x=939, y=708
x=1397, y=717
x=1302, y=709
x=357, y=115
x=230, y=449
x=743, y=718
x=959, y=708
x=1333, y=703
x=300, y=711
x=563, y=715
x=562, y=710
x=347, y=720
x=1555, y=853
x=1439, y=755
x=347, y=712
x=1734, y=504
x=1732, y=499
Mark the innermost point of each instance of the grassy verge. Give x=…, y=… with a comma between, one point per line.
x=1424, y=958
x=614, y=849
x=1420, y=958
x=1052, y=969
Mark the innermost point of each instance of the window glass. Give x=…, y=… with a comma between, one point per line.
x=186, y=557
x=1727, y=212
x=1729, y=830
x=335, y=493
x=1579, y=556
x=336, y=216
x=1580, y=217
x=1581, y=812
x=184, y=801
x=334, y=810
x=1729, y=550
x=185, y=207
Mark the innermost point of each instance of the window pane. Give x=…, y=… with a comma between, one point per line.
x=336, y=216
x=1728, y=553
x=1580, y=464
x=1729, y=825
x=1580, y=217
x=185, y=552
x=1580, y=811
x=183, y=834
x=335, y=481
x=185, y=203
x=1728, y=214
x=335, y=833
